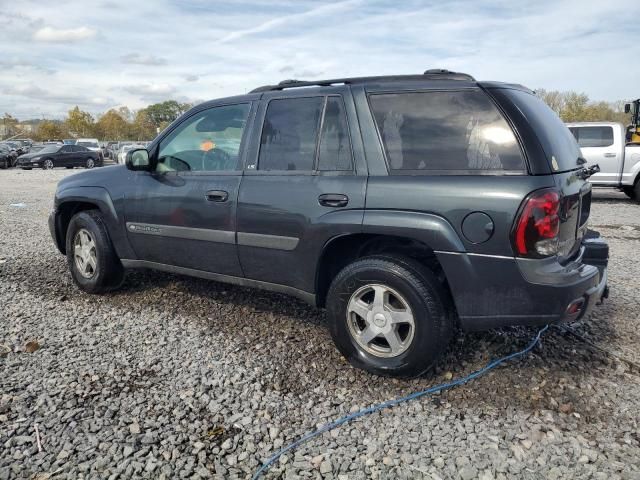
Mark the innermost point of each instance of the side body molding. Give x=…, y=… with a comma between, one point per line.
x=100, y=197
x=430, y=229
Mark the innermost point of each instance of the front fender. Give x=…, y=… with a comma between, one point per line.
x=73, y=199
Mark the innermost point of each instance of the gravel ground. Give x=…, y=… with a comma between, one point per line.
x=179, y=377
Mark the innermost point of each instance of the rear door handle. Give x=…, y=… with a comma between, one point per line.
x=609, y=155
x=217, y=195
x=335, y=200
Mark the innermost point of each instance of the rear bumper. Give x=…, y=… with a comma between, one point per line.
x=491, y=291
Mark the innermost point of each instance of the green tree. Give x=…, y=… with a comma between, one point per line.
x=162, y=114
x=79, y=122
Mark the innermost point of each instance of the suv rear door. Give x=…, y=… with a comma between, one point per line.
x=304, y=184
x=183, y=213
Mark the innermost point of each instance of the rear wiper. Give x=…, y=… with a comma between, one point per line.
x=588, y=171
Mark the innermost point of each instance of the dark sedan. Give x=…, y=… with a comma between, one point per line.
x=7, y=156
x=68, y=156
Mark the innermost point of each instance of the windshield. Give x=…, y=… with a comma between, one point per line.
x=50, y=149
x=88, y=144
x=560, y=146
x=36, y=148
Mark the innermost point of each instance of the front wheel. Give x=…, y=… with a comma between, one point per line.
x=389, y=315
x=92, y=260
x=90, y=163
x=47, y=164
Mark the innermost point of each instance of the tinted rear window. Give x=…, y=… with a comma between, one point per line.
x=557, y=141
x=457, y=131
x=593, y=136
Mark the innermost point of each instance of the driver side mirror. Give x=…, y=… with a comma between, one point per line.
x=138, y=160
x=627, y=107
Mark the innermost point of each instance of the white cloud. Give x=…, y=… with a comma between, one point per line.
x=61, y=35
x=139, y=59
x=198, y=50
x=151, y=90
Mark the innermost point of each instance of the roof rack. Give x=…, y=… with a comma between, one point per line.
x=431, y=74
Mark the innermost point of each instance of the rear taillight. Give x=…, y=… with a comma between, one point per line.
x=537, y=226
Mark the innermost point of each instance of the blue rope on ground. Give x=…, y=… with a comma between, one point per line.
x=397, y=401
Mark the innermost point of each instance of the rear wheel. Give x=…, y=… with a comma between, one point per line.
x=630, y=192
x=47, y=164
x=389, y=315
x=92, y=260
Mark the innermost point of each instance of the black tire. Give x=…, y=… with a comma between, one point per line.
x=109, y=273
x=429, y=302
x=630, y=192
x=636, y=192
x=89, y=163
x=48, y=164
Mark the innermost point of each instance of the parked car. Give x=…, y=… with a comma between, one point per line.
x=603, y=144
x=69, y=141
x=404, y=205
x=25, y=142
x=7, y=157
x=17, y=147
x=69, y=156
x=90, y=143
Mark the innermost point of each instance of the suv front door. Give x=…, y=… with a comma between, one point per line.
x=183, y=212
x=303, y=185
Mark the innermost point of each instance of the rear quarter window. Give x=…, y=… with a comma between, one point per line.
x=457, y=132
x=558, y=143
x=593, y=136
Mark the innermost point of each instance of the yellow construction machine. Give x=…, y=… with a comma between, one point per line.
x=633, y=130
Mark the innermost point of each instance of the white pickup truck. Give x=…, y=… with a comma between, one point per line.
x=603, y=143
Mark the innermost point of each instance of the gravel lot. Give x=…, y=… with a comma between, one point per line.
x=179, y=377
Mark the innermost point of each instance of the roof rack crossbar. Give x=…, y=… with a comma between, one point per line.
x=436, y=73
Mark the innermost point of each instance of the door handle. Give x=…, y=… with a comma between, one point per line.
x=609, y=155
x=333, y=200
x=217, y=195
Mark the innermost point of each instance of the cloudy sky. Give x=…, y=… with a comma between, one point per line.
x=101, y=54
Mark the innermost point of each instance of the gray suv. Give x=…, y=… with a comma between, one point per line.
x=404, y=205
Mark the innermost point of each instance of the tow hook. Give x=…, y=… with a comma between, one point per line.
x=588, y=171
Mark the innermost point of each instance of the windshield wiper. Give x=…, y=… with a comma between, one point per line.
x=581, y=160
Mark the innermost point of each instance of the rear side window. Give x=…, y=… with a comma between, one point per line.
x=593, y=136
x=290, y=133
x=335, y=147
x=453, y=132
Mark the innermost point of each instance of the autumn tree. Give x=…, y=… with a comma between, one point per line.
x=112, y=126
x=143, y=126
x=50, y=130
x=79, y=122
x=577, y=107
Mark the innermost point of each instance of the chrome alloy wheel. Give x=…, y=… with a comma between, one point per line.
x=90, y=163
x=380, y=320
x=48, y=164
x=84, y=253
